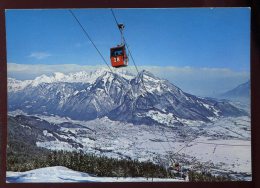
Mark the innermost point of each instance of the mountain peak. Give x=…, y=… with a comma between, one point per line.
x=100, y=71
x=145, y=72
x=239, y=93
x=58, y=75
x=146, y=77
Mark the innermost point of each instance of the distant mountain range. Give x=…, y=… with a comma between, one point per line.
x=141, y=99
x=239, y=93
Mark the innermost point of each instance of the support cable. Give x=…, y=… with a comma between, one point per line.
x=124, y=40
x=89, y=38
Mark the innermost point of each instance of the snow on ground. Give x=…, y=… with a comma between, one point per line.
x=231, y=127
x=167, y=119
x=55, y=145
x=63, y=174
x=231, y=155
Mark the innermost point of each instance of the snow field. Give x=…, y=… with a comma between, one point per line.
x=63, y=174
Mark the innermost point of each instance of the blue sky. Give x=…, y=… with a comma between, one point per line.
x=217, y=38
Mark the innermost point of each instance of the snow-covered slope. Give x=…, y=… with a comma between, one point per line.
x=16, y=85
x=63, y=174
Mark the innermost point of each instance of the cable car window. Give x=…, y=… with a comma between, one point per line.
x=117, y=52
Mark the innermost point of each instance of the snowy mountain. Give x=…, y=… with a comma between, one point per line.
x=16, y=85
x=239, y=93
x=82, y=77
x=144, y=99
x=158, y=101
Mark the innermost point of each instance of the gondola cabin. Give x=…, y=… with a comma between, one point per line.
x=118, y=56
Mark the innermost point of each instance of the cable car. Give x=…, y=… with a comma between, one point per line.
x=118, y=56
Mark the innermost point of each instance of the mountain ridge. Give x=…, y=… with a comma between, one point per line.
x=143, y=99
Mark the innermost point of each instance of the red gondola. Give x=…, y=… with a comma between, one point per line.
x=118, y=55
